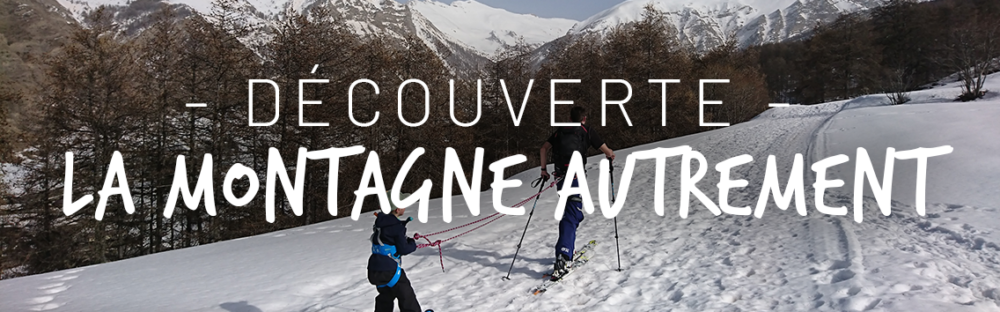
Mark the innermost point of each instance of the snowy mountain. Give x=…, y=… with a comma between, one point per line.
x=489, y=29
x=464, y=33
x=945, y=260
x=707, y=24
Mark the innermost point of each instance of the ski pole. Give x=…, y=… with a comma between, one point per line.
x=611, y=171
x=541, y=185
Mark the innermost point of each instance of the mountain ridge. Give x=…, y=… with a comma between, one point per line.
x=707, y=25
x=466, y=34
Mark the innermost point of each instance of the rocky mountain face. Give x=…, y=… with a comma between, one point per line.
x=487, y=29
x=464, y=49
x=396, y=21
x=797, y=19
x=708, y=24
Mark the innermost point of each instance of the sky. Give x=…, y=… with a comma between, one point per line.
x=571, y=9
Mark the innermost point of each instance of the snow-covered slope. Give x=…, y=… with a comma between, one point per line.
x=266, y=7
x=707, y=24
x=944, y=261
x=489, y=29
x=81, y=7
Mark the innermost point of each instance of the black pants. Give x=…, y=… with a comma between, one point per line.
x=402, y=291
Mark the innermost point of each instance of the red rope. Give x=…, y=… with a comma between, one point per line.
x=525, y=201
x=430, y=244
x=437, y=243
x=418, y=236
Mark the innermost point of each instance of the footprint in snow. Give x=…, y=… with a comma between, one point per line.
x=854, y=290
x=40, y=300
x=50, y=286
x=68, y=278
x=961, y=281
x=46, y=307
x=55, y=290
x=727, y=262
x=676, y=296
x=818, y=304
x=841, y=276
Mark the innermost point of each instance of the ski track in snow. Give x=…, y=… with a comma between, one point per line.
x=948, y=260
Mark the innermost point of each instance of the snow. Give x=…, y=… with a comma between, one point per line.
x=944, y=261
x=631, y=10
x=482, y=28
x=707, y=24
x=268, y=7
x=487, y=29
x=80, y=7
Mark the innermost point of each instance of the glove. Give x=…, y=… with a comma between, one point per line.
x=409, y=240
x=408, y=219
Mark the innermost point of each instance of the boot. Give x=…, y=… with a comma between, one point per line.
x=561, y=267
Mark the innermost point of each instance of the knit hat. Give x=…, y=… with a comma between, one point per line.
x=402, y=196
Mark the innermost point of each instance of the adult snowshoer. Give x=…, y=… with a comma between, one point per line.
x=385, y=271
x=563, y=142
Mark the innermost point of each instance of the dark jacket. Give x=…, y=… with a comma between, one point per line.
x=567, y=139
x=393, y=232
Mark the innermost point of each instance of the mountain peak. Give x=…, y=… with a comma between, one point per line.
x=708, y=24
x=488, y=29
x=479, y=30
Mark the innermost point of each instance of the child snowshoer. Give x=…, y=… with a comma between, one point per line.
x=385, y=271
x=563, y=142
